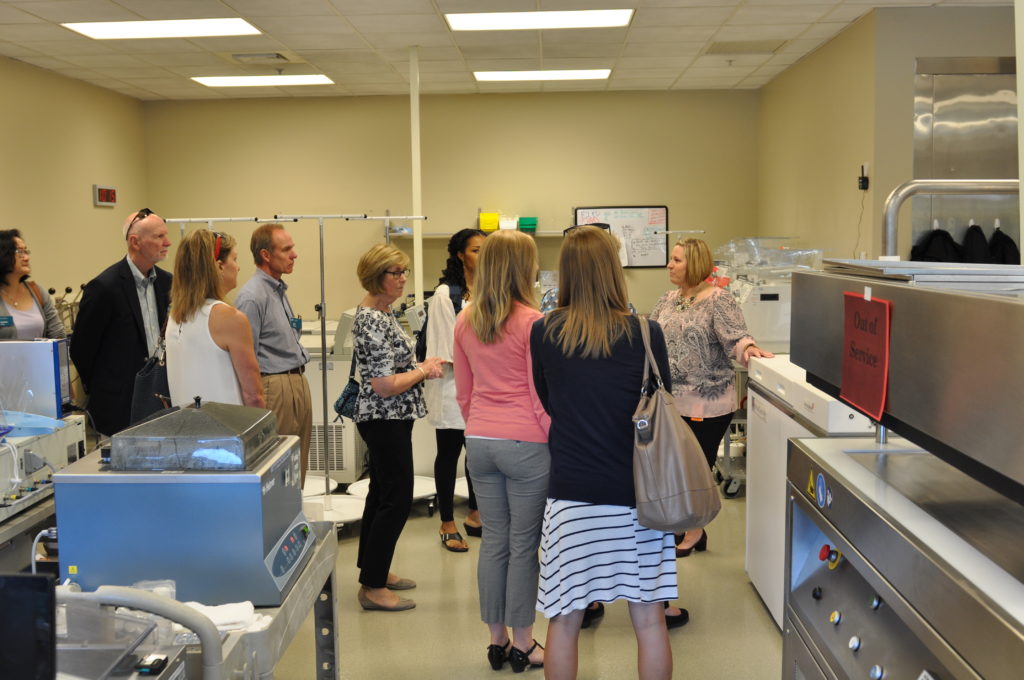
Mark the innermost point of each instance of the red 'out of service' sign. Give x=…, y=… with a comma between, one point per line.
x=865, y=353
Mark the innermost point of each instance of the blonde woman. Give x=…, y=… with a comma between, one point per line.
x=588, y=362
x=209, y=343
x=506, y=441
x=390, y=400
x=704, y=331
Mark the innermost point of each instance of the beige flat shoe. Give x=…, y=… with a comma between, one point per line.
x=366, y=603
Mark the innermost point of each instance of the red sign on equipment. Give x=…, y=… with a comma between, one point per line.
x=866, y=353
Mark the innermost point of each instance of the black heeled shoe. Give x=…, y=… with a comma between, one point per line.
x=592, y=614
x=475, y=532
x=676, y=620
x=519, y=660
x=699, y=546
x=497, y=655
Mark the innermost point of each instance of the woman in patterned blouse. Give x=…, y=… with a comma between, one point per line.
x=390, y=399
x=704, y=330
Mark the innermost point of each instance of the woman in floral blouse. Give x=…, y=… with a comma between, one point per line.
x=704, y=330
x=390, y=399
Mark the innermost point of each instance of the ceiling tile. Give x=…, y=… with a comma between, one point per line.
x=57, y=48
x=653, y=62
x=445, y=78
x=687, y=83
x=178, y=9
x=195, y=70
x=341, y=57
x=26, y=33
x=585, y=36
x=572, y=64
x=574, y=86
x=151, y=46
x=78, y=73
x=641, y=84
x=447, y=53
x=390, y=77
x=304, y=24
x=669, y=35
x=500, y=52
x=379, y=88
x=783, y=59
x=239, y=43
x=559, y=51
x=448, y=88
x=64, y=11
x=13, y=15
x=454, y=6
x=509, y=87
x=800, y=46
x=276, y=8
x=678, y=49
x=15, y=50
x=186, y=59
x=355, y=7
x=766, y=32
x=51, y=63
x=681, y=16
x=772, y=70
x=727, y=61
x=396, y=23
x=712, y=72
x=847, y=13
x=649, y=73
x=503, y=64
x=344, y=69
x=394, y=40
x=829, y=30
x=767, y=14
x=754, y=82
x=316, y=41
x=125, y=72
x=449, y=67
x=832, y=3
x=106, y=61
x=477, y=38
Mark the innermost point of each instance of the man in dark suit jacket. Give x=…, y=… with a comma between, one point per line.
x=119, y=321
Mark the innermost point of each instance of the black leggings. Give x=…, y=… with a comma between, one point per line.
x=389, y=499
x=446, y=463
x=709, y=433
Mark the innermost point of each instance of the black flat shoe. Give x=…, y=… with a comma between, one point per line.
x=475, y=532
x=592, y=614
x=519, y=660
x=497, y=655
x=680, y=619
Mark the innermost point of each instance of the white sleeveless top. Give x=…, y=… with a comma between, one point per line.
x=196, y=366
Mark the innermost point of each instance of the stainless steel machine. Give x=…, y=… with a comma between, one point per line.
x=904, y=557
x=223, y=535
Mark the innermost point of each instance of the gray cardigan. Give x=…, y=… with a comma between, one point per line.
x=52, y=326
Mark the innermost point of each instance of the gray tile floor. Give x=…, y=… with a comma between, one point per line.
x=730, y=634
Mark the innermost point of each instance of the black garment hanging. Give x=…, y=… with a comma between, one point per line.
x=1002, y=249
x=975, y=246
x=937, y=245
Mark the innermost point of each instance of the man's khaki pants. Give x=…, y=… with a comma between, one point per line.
x=287, y=395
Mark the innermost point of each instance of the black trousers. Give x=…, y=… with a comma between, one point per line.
x=389, y=499
x=446, y=463
x=709, y=432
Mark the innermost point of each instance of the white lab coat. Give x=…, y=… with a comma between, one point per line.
x=442, y=409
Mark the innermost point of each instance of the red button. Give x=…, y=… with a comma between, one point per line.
x=824, y=552
x=285, y=548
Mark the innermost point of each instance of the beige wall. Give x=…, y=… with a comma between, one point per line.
x=526, y=154
x=853, y=101
x=816, y=130
x=902, y=35
x=59, y=137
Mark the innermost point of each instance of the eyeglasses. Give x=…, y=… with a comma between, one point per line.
x=22, y=252
x=216, y=245
x=141, y=215
x=399, y=273
x=599, y=225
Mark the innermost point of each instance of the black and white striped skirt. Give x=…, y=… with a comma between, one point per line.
x=599, y=553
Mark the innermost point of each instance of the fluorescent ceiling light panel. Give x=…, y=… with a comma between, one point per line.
x=510, y=76
x=262, y=81
x=177, y=28
x=517, y=21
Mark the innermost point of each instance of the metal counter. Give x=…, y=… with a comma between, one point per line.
x=927, y=580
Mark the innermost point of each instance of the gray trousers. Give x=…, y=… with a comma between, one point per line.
x=511, y=483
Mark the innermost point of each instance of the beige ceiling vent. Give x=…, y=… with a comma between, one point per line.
x=745, y=47
x=263, y=58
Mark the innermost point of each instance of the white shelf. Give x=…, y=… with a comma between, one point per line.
x=435, y=234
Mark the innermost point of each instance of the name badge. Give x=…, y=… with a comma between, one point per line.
x=6, y=321
x=296, y=323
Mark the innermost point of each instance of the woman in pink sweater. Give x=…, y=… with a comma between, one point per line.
x=506, y=441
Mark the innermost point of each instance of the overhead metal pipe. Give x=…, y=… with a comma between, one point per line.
x=890, y=219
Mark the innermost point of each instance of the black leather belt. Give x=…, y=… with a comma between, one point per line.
x=296, y=371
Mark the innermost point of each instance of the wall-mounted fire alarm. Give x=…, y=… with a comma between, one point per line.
x=104, y=195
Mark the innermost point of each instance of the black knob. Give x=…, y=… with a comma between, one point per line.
x=67, y=289
x=816, y=593
x=51, y=291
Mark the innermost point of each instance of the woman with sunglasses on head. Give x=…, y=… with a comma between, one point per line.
x=588, y=366
x=704, y=330
x=390, y=400
x=209, y=343
x=26, y=310
x=453, y=293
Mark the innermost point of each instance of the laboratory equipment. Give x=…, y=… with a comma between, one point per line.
x=36, y=376
x=221, y=535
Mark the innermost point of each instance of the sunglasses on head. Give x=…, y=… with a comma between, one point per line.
x=599, y=225
x=141, y=215
x=216, y=245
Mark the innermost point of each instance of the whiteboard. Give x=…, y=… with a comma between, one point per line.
x=641, y=229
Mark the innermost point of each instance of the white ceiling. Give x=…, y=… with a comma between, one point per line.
x=363, y=45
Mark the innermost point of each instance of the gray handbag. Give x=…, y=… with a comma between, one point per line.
x=675, y=490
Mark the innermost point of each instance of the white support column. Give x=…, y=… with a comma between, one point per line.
x=417, y=180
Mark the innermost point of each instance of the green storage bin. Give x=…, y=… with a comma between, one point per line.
x=527, y=224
